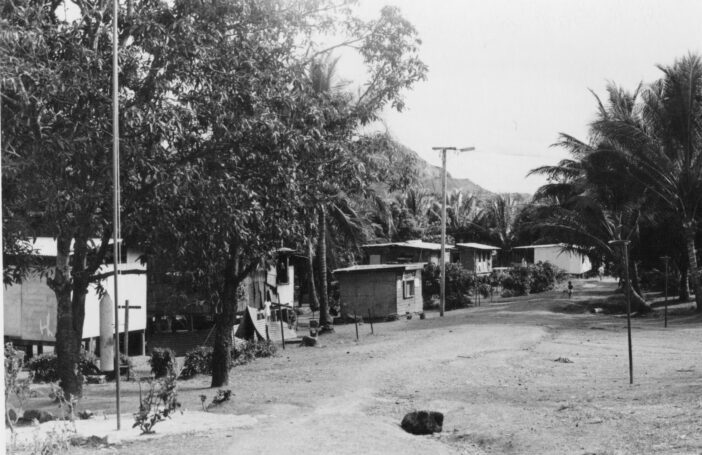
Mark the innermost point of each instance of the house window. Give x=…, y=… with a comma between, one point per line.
x=408, y=286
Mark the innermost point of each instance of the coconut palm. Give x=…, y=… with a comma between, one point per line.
x=499, y=220
x=591, y=200
x=662, y=138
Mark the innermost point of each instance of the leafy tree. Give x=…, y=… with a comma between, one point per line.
x=389, y=48
x=57, y=140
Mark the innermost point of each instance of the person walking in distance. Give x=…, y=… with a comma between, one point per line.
x=570, y=289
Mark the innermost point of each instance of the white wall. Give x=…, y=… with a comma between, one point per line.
x=286, y=292
x=571, y=262
x=30, y=308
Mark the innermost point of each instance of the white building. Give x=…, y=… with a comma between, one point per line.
x=30, y=308
x=572, y=262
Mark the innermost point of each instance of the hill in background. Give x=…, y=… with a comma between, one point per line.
x=429, y=176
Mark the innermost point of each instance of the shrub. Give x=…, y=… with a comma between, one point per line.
x=197, y=361
x=160, y=401
x=459, y=284
x=43, y=367
x=545, y=276
x=518, y=281
x=14, y=360
x=654, y=280
x=163, y=362
x=252, y=350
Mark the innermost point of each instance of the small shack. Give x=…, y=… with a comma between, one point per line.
x=384, y=289
x=571, y=262
x=476, y=257
x=406, y=252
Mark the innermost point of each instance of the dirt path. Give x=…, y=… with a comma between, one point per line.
x=490, y=370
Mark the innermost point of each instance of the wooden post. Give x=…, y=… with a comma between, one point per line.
x=665, y=259
x=126, y=334
x=370, y=318
x=282, y=333
x=143, y=342
x=355, y=321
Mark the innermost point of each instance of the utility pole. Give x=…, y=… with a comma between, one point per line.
x=442, y=260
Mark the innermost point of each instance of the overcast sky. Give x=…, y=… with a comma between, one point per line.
x=508, y=76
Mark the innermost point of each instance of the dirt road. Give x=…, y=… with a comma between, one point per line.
x=491, y=370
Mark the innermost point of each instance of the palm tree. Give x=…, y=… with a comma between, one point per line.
x=499, y=220
x=589, y=201
x=662, y=138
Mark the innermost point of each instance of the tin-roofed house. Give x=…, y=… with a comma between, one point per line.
x=406, y=252
x=384, y=289
x=476, y=257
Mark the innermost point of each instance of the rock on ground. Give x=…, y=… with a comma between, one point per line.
x=423, y=422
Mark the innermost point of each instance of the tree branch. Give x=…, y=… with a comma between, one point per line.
x=102, y=276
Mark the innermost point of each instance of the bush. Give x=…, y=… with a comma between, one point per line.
x=459, y=284
x=163, y=362
x=197, y=361
x=536, y=278
x=518, y=280
x=545, y=276
x=43, y=367
x=252, y=350
x=654, y=280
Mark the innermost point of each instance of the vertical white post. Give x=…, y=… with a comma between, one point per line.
x=107, y=341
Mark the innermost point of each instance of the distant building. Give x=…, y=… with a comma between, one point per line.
x=30, y=308
x=406, y=252
x=384, y=289
x=570, y=261
x=476, y=257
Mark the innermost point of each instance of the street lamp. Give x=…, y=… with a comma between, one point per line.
x=625, y=245
x=665, y=311
x=443, y=222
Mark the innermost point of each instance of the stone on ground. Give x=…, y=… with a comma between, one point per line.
x=423, y=422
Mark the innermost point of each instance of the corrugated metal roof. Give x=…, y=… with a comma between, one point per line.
x=477, y=246
x=370, y=268
x=417, y=244
x=550, y=245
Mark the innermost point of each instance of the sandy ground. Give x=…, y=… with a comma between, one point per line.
x=491, y=370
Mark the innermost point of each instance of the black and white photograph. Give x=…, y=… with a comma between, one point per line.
x=411, y=227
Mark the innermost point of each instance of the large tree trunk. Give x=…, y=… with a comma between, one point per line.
x=224, y=326
x=638, y=303
x=684, y=292
x=314, y=299
x=690, y=231
x=67, y=337
x=325, y=320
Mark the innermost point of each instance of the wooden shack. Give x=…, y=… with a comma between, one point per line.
x=406, y=252
x=384, y=289
x=476, y=257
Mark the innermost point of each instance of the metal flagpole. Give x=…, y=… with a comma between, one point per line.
x=115, y=177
